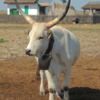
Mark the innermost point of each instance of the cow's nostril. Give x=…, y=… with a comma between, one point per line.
x=27, y=51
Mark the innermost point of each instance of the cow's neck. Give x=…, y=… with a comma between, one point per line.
x=44, y=62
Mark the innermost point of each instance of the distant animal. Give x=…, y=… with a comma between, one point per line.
x=63, y=54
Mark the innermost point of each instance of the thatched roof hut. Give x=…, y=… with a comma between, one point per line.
x=92, y=6
x=71, y=10
x=58, y=8
x=71, y=7
x=20, y=1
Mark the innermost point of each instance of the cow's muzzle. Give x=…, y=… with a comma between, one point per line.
x=27, y=51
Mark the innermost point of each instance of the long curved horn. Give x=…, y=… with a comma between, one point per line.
x=28, y=18
x=59, y=18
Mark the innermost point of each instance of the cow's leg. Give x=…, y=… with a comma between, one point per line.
x=51, y=85
x=65, y=84
x=58, y=91
x=42, y=87
x=40, y=74
x=37, y=76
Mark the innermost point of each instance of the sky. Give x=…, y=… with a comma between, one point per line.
x=76, y=3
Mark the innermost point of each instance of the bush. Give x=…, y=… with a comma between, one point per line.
x=2, y=40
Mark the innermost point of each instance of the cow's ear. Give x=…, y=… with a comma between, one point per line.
x=49, y=33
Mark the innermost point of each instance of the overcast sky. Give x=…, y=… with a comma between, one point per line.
x=76, y=3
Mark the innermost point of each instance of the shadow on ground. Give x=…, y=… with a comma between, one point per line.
x=84, y=93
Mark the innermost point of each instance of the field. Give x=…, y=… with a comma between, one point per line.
x=81, y=12
x=17, y=70
x=3, y=12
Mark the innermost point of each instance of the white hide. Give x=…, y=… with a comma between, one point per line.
x=65, y=52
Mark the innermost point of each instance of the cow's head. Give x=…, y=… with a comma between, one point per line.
x=40, y=33
x=38, y=40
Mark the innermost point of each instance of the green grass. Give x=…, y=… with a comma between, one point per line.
x=2, y=40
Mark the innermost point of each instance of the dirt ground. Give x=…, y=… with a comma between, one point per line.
x=17, y=71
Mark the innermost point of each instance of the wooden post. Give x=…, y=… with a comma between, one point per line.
x=84, y=12
x=91, y=11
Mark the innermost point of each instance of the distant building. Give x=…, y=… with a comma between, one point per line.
x=71, y=10
x=92, y=6
x=58, y=8
x=33, y=7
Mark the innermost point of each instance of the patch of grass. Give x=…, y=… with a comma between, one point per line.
x=82, y=27
x=3, y=12
x=82, y=12
x=14, y=26
x=2, y=40
x=12, y=54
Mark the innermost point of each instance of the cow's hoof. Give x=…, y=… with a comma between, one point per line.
x=42, y=93
x=57, y=95
x=66, y=98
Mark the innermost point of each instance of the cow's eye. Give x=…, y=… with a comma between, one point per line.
x=40, y=38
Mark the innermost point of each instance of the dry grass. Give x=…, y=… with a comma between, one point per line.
x=82, y=27
x=3, y=12
x=89, y=37
x=81, y=12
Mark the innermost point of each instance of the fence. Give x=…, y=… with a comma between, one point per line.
x=84, y=19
